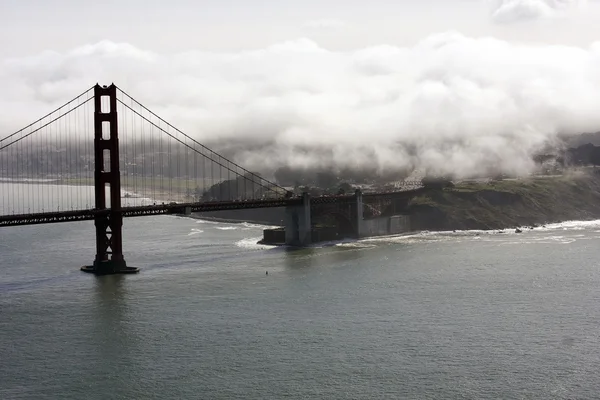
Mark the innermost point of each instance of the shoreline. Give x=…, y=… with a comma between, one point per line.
x=508, y=204
x=493, y=206
x=228, y=220
x=490, y=206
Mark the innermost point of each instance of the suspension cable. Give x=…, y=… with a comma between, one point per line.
x=43, y=126
x=195, y=141
x=222, y=165
x=46, y=116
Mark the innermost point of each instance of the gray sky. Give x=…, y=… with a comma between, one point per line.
x=31, y=26
x=452, y=86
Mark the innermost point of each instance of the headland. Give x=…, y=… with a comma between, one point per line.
x=490, y=204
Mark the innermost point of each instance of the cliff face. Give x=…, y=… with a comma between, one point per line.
x=494, y=205
x=508, y=203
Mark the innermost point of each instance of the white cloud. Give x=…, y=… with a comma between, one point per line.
x=451, y=103
x=507, y=11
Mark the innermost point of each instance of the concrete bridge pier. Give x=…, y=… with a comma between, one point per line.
x=359, y=221
x=298, y=223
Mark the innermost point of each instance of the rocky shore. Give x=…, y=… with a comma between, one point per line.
x=518, y=203
x=505, y=204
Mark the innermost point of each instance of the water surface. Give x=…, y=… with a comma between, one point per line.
x=430, y=315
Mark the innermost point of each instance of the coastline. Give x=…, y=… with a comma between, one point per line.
x=508, y=204
x=228, y=220
x=488, y=206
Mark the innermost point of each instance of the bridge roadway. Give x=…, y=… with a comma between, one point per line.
x=140, y=211
x=176, y=208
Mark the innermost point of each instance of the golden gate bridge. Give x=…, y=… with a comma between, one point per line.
x=138, y=164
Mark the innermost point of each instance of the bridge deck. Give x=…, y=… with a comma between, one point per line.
x=140, y=211
x=178, y=208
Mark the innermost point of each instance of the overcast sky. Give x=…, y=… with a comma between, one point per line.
x=31, y=26
x=453, y=86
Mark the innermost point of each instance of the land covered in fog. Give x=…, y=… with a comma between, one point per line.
x=147, y=164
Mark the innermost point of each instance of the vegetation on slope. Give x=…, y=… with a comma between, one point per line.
x=508, y=203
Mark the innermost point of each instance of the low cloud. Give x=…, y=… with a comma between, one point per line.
x=450, y=104
x=508, y=11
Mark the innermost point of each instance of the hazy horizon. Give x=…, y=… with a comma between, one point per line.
x=451, y=86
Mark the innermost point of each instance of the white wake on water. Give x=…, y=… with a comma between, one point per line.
x=252, y=244
x=542, y=234
x=257, y=226
x=572, y=225
x=205, y=221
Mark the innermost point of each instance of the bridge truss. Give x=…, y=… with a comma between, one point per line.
x=103, y=156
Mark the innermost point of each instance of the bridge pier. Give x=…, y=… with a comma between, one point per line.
x=359, y=214
x=298, y=223
x=109, y=239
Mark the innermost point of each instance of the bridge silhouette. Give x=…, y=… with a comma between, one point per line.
x=138, y=164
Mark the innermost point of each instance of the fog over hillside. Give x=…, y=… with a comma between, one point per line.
x=451, y=103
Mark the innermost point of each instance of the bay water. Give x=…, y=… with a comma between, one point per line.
x=456, y=315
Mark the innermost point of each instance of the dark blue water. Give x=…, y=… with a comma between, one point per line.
x=428, y=316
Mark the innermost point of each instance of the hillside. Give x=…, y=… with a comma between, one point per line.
x=508, y=203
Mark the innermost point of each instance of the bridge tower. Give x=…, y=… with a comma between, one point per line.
x=108, y=221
